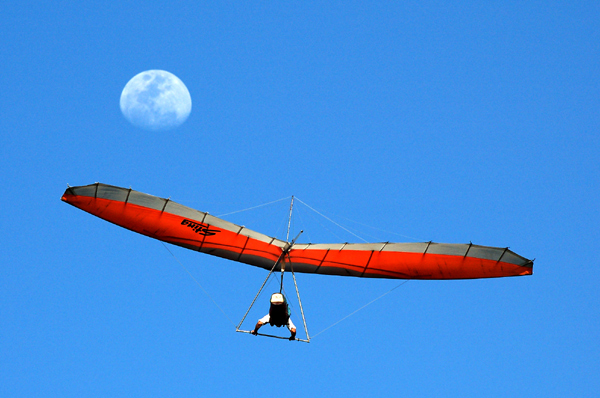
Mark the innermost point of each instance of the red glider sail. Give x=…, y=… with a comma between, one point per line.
x=171, y=222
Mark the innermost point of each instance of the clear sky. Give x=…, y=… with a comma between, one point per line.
x=423, y=120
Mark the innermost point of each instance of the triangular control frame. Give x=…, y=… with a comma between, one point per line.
x=282, y=256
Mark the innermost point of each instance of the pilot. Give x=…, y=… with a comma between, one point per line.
x=279, y=315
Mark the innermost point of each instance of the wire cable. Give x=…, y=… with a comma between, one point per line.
x=198, y=283
x=330, y=220
x=254, y=207
x=369, y=303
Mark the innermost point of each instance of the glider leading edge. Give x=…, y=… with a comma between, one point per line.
x=173, y=223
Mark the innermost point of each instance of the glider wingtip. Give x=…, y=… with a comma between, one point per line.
x=68, y=191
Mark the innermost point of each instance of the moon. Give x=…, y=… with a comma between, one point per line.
x=156, y=100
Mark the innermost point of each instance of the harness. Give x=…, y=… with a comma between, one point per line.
x=279, y=314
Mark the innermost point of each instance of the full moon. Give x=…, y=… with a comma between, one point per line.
x=156, y=100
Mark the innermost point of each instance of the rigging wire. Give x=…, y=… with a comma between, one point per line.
x=379, y=229
x=318, y=220
x=252, y=208
x=366, y=305
x=287, y=237
x=198, y=283
x=330, y=220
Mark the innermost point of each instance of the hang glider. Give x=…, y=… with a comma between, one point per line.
x=173, y=223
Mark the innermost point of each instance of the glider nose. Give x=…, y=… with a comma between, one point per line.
x=66, y=197
x=69, y=197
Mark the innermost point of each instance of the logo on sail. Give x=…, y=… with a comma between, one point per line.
x=200, y=228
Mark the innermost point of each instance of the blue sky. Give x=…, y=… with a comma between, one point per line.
x=422, y=120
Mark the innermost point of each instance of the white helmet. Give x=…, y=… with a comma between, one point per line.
x=277, y=298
